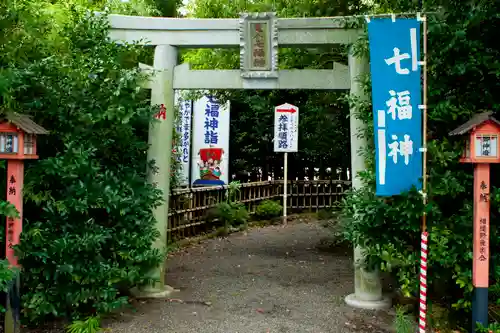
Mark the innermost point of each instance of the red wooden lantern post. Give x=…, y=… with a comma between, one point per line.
x=481, y=148
x=17, y=143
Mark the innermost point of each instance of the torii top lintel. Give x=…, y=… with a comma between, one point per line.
x=206, y=33
x=257, y=35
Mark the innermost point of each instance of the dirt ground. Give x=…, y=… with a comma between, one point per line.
x=268, y=280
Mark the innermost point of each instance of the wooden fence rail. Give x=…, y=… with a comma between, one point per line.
x=189, y=206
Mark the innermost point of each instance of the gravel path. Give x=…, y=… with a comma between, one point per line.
x=267, y=280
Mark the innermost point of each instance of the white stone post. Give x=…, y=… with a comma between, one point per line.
x=160, y=150
x=367, y=284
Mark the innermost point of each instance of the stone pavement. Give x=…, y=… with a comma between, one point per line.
x=266, y=280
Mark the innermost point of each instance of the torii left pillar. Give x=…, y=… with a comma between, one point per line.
x=160, y=150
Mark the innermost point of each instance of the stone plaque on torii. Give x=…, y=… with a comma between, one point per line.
x=258, y=36
x=259, y=46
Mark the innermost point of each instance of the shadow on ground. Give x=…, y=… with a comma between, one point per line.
x=271, y=279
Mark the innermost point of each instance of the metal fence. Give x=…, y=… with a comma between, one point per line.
x=189, y=206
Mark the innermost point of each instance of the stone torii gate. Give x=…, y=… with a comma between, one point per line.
x=258, y=36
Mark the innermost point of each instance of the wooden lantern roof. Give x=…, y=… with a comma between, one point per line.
x=475, y=121
x=25, y=123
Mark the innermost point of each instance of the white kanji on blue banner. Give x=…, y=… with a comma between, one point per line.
x=396, y=97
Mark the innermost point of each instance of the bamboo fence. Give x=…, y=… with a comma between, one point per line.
x=189, y=207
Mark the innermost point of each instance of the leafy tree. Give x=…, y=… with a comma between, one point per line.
x=463, y=60
x=89, y=226
x=463, y=69
x=323, y=127
x=167, y=8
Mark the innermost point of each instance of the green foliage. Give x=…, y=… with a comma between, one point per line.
x=492, y=328
x=131, y=7
x=91, y=244
x=439, y=317
x=403, y=323
x=233, y=191
x=90, y=227
x=8, y=210
x=462, y=60
x=7, y=274
x=268, y=209
x=324, y=125
x=230, y=212
x=326, y=214
x=166, y=8
x=89, y=325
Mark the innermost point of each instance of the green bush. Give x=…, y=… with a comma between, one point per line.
x=7, y=274
x=89, y=325
x=492, y=328
x=389, y=228
x=326, y=214
x=90, y=227
x=403, y=323
x=91, y=245
x=268, y=209
x=231, y=214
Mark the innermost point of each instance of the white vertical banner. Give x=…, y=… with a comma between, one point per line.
x=286, y=128
x=184, y=131
x=210, y=152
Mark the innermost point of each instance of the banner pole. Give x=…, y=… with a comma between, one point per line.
x=424, y=236
x=424, y=126
x=190, y=165
x=285, y=185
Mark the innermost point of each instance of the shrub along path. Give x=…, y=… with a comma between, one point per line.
x=271, y=279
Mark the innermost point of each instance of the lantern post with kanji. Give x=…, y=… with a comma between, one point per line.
x=482, y=149
x=17, y=143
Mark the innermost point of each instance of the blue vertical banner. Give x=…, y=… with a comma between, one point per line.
x=396, y=98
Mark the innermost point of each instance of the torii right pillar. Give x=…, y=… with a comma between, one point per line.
x=367, y=284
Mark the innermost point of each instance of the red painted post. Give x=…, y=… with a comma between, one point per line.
x=17, y=143
x=481, y=225
x=14, y=227
x=15, y=181
x=480, y=260
x=481, y=134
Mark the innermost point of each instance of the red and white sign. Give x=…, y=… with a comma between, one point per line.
x=286, y=128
